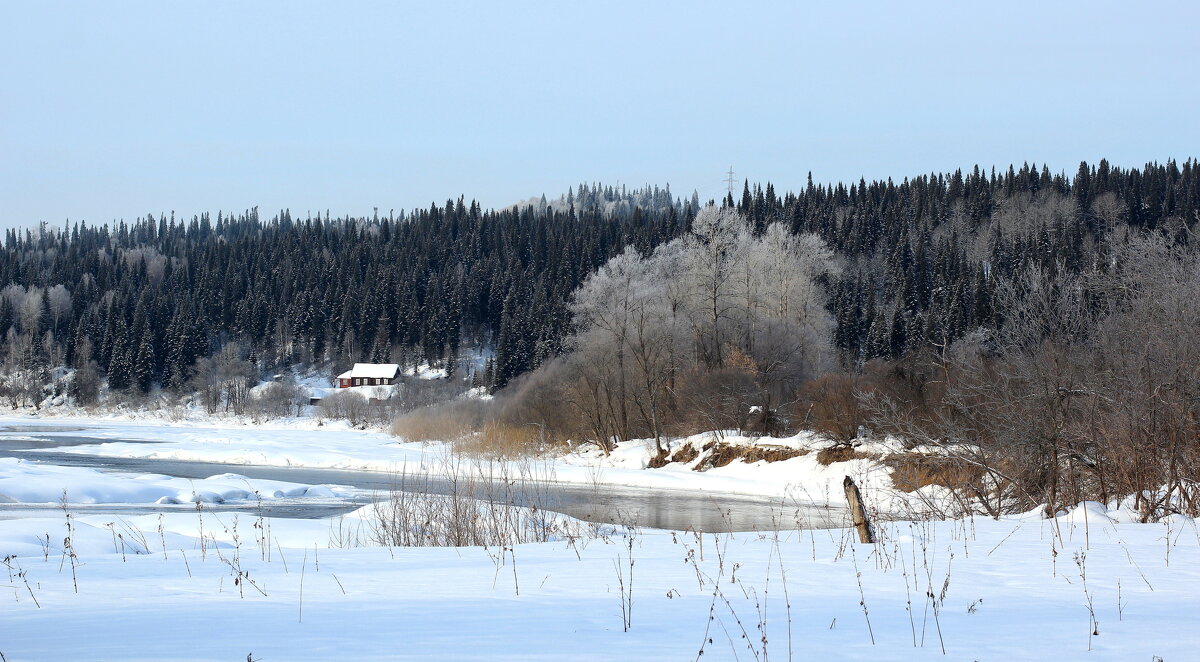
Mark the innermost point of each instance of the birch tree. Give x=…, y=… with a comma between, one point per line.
x=710, y=252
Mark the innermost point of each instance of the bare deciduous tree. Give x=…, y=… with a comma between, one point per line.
x=697, y=306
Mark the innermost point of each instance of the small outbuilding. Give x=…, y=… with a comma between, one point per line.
x=370, y=374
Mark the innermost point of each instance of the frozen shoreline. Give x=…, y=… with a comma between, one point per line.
x=302, y=443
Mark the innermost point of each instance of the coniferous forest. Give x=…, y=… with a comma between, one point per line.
x=922, y=260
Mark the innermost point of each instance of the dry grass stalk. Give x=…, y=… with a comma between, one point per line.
x=475, y=504
x=912, y=472
x=430, y=424
x=841, y=453
x=721, y=454
x=503, y=441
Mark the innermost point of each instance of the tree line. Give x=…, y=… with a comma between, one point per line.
x=919, y=265
x=942, y=308
x=141, y=304
x=1038, y=351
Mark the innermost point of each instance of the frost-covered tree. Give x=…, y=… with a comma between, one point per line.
x=717, y=296
x=710, y=256
x=786, y=328
x=58, y=299
x=622, y=309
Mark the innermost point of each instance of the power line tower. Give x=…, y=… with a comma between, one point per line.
x=729, y=180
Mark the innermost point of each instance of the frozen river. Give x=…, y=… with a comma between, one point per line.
x=655, y=508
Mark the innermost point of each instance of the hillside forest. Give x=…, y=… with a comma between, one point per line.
x=1036, y=327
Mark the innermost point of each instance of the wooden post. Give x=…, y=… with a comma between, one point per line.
x=858, y=511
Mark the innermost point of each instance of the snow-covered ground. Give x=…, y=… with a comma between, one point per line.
x=1019, y=588
x=213, y=585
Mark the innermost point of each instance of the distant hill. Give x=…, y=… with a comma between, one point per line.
x=922, y=263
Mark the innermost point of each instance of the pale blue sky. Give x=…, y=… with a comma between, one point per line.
x=113, y=110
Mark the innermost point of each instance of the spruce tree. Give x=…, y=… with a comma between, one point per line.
x=145, y=361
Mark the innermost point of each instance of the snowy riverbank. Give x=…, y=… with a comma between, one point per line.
x=1020, y=588
x=303, y=442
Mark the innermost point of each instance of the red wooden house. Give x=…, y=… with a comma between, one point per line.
x=369, y=374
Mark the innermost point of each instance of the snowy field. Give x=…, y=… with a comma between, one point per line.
x=1083, y=587
x=196, y=582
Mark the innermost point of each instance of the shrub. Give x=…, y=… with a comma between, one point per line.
x=829, y=405
x=912, y=472
x=277, y=400
x=346, y=405
x=719, y=399
x=502, y=440
x=445, y=422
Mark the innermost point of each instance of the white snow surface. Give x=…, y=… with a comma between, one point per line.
x=1004, y=590
x=382, y=392
x=212, y=585
x=426, y=371
x=372, y=371
x=38, y=483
